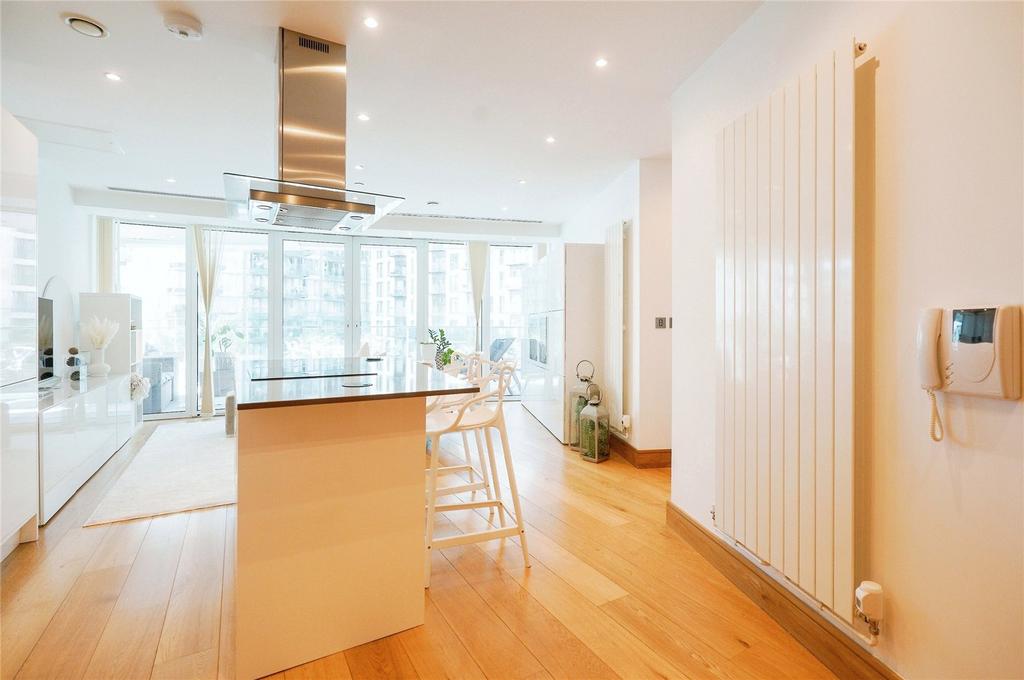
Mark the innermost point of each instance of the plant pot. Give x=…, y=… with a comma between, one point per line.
x=427, y=350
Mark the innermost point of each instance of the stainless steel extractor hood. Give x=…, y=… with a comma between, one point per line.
x=309, y=193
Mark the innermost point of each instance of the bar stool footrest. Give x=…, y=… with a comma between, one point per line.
x=475, y=537
x=472, y=505
x=462, y=488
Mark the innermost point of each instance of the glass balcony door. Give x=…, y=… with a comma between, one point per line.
x=388, y=302
x=153, y=264
x=314, y=307
x=239, y=322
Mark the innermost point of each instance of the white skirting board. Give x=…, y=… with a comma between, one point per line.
x=784, y=470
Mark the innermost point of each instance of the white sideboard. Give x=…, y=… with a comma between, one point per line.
x=80, y=428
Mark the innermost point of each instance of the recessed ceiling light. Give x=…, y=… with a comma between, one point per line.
x=549, y=139
x=522, y=181
x=360, y=167
x=171, y=180
x=85, y=26
x=263, y=206
x=370, y=22
x=358, y=184
x=151, y=216
x=601, y=62
x=262, y=219
x=363, y=117
x=433, y=203
x=112, y=76
x=504, y=208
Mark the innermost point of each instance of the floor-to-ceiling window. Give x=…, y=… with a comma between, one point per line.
x=450, y=293
x=282, y=295
x=239, y=320
x=313, y=299
x=152, y=265
x=387, y=298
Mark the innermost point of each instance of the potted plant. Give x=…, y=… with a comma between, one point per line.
x=443, y=348
x=222, y=338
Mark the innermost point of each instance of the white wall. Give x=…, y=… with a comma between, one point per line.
x=641, y=195
x=66, y=250
x=941, y=526
x=651, y=279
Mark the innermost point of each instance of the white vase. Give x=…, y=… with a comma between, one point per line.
x=98, y=368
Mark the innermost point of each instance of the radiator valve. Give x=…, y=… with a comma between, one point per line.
x=870, y=609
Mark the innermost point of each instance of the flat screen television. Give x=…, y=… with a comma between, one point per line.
x=45, y=317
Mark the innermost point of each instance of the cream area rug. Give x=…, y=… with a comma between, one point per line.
x=183, y=466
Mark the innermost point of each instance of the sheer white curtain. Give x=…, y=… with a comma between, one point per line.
x=208, y=245
x=478, y=272
x=106, y=253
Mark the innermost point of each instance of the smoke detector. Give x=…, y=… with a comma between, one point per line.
x=183, y=26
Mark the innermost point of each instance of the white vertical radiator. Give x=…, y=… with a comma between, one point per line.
x=614, y=322
x=785, y=332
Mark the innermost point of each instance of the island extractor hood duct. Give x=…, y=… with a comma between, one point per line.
x=310, y=193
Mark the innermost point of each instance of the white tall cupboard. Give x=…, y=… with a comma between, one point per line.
x=565, y=317
x=18, y=328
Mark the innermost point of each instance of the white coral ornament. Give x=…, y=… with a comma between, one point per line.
x=138, y=387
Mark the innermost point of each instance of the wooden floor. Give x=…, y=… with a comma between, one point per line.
x=612, y=593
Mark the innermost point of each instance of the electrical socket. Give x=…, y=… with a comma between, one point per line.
x=660, y=322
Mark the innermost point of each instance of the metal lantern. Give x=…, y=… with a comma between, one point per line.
x=578, y=400
x=594, y=429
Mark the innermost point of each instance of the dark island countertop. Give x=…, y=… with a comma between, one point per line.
x=268, y=384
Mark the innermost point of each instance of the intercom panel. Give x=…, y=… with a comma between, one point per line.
x=979, y=351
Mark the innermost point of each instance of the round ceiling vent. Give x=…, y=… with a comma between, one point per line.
x=183, y=26
x=86, y=26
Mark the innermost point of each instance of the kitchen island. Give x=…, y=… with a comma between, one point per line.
x=330, y=505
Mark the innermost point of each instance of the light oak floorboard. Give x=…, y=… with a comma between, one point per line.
x=190, y=638
x=65, y=647
x=612, y=593
x=128, y=644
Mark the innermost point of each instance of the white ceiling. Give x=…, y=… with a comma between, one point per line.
x=461, y=95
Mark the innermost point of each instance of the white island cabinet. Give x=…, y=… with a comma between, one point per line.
x=330, y=506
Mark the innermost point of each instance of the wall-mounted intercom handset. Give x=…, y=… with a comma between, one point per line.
x=973, y=351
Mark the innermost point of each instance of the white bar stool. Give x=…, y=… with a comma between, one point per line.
x=477, y=416
x=468, y=367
